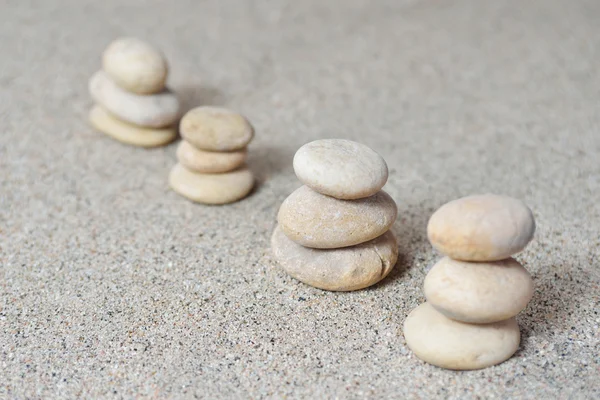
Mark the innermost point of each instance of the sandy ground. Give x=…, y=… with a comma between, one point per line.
x=112, y=286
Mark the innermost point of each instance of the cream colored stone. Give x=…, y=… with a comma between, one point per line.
x=340, y=168
x=209, y=162
x=344, y=269
x=135, y=66
x=216, y=129
x=152, y=111
x=450, y=344
x=481, y=228
x=478, y=292
x=315, y=220
x=130, y=134
x=222, y=188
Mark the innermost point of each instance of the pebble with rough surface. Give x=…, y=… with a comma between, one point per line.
x=127, y=133
x=451, y=344
x=345, y=269
x=209, y=162
x=216, y=129
x=340, y=168
x=135, y=66
x=480, y=292
x=315, y=220
x=481, y=228
x=152, y=111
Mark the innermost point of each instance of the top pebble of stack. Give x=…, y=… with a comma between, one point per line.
x=481, y=228
x=340, y=168
x=135, y=66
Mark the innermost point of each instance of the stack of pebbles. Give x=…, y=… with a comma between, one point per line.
x=473, y=294
x=212, y=155
x=132, y=103
x=333, y=233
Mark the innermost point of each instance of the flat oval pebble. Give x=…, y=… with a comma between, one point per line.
x=216, y=129
x=135, y=66
x=485, y=227
x=340, y=168
x=450, y=344
x=211, y=188
x=130, y=134
x=209, y=162
x=345, y=269
x=151, y=111
x=478, y=292
x=315, y=220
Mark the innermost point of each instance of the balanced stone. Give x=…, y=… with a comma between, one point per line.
x=478, y=292
x=152, y=111
x=211, y=188
x=128, y=133
x=216, y=129
x=451, y=344
x=135, y=66
x=344, y=269
x=340, y=168
x=481, y=228
x=315, y=220
x=209, y=162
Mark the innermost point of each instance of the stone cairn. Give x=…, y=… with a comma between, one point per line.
x=333, y=233
x=133, y=104
x=474, y=293
x=212, y=155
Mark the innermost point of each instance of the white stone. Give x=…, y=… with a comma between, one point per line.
x=209, y=162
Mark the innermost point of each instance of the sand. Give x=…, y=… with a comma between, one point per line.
x=113, y=286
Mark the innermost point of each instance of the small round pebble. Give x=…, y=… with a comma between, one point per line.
x=485, y=227
x=478, y=293
x=135, y=66
x=216, y=129
x=209, y=162
x=340, y=168
x=130, y=134
x=222, y=188
x=450, y=344
x=315, y=220
x=151, y=111
x=345, y=269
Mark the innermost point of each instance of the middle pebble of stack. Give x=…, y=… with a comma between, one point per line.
x=212, y=155
x=333, y=233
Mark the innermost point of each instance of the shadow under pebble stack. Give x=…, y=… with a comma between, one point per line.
x=474, y=293
x=133, y=104
x=333, y=233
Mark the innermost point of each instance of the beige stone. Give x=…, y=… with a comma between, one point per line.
x=135, y=66
x=222, y=188
x=151, y=111
x=209, y=162
x=315, y=220
x=216, y=129
x=130, y=134
x=344, y=269
x=340, y=168
x=478, y=292
x=450, y=344
x=481, y=228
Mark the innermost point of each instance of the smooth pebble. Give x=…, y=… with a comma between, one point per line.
x=152, y=111
x=135, y=66
x=478, y=292
x=216, y=129
x=315, y=220
x=209, y=162
x=222, y=188
x=340, y=168
x=481, y=228
x=451, y=344
x=345, y=269
x=128, y=133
